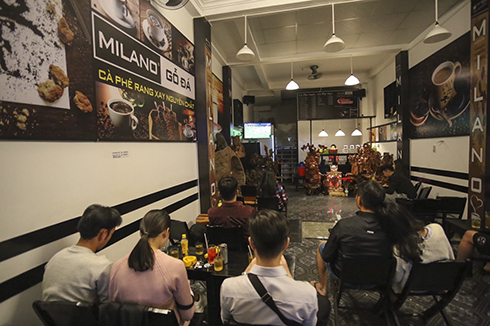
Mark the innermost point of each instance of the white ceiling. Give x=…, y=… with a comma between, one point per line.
x=281, y=32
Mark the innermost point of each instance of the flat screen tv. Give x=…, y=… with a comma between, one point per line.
x=257, y=130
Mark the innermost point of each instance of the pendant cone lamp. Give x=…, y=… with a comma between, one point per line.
x=356, y=131
x=323, y=133
x=334, y=43
x=339, y=132
x=438, y=33
x=245, y=53
x=292, y=85
x=351, y=80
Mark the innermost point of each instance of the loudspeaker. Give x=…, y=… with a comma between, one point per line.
x=360, y=93
x=247, y=99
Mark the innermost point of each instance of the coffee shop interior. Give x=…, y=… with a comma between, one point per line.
x=285, y=100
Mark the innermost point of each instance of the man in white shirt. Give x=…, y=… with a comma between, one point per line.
x=76, y=273
x=296, y=300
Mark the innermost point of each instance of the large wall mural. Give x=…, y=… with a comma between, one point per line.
x=440, y=92
x=95, y=70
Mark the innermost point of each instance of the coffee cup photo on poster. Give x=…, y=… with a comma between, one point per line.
x=118, y=11
x=121, y=113
x=439, y=92
x=443, y=78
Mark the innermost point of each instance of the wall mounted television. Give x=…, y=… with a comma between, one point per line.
x=259, y=130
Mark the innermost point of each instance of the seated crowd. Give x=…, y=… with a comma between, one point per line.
x=150, y=277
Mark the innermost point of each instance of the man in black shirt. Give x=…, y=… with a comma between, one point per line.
x=397, y=182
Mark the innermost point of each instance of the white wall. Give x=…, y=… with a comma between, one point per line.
x=452, y=154
x=45, y=183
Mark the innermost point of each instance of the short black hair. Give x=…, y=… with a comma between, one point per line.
x=227, y=187
x=269, y=231
x=387, y=167
x=372, y=195
x=95, y=218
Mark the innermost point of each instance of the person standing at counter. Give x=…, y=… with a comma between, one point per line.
x=76, y=273
x=148, y=276
x=397, y=182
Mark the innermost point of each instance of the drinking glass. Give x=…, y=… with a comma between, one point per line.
x=218, y=263
x=211, y=253
x=199, y=249
x=174, y=252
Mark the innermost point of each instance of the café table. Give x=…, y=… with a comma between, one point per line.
x=237, y=263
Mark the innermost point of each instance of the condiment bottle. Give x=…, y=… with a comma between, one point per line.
x=184, y=244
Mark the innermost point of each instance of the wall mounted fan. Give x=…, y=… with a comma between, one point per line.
x=314, y=73
x=169, y=4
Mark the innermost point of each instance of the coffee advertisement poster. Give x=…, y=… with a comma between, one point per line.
x=94, y=70
x=440, y=92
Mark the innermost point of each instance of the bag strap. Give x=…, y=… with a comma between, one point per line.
x=267, y=299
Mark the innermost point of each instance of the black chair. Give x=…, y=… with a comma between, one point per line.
x=439, y=279
x=367, y=273
x=424, y=193
x=177, y=228
x=425, y=209
x=64, y=313
x=268, y=203
x=235, y=237
x=125, y=314
x=271, y=203
x=450, y=209
x=417, y=186
x=249, y=191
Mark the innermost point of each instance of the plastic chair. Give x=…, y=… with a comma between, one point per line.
x=125, y=314
x=367, y=273
x=424, y=193
x=64, y=313
x=439, y=279
x=235, y=237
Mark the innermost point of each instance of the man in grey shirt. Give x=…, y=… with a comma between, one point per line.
x=76, y=273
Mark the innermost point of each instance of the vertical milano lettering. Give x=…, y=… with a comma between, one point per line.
x=117, y=48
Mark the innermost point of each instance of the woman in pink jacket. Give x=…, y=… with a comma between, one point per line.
x=148, y=276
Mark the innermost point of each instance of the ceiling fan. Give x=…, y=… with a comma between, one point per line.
x=170, y=4
x=314, y=73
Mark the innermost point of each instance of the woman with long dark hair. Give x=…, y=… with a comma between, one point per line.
x=150, y=277
x=378, y=227
x=269, y=188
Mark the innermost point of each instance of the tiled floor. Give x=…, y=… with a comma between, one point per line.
x=310, y=219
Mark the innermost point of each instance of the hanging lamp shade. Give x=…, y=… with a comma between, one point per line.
x=351, y=80
x=334, y=43
x=292, y=85
x=323, y=133
x=438, y=33
x=245, y=53
x=356, y=132
x=339, y=133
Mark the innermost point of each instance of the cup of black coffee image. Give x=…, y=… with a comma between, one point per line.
x=419, y=113
x=121, y=113
x=443, y=78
